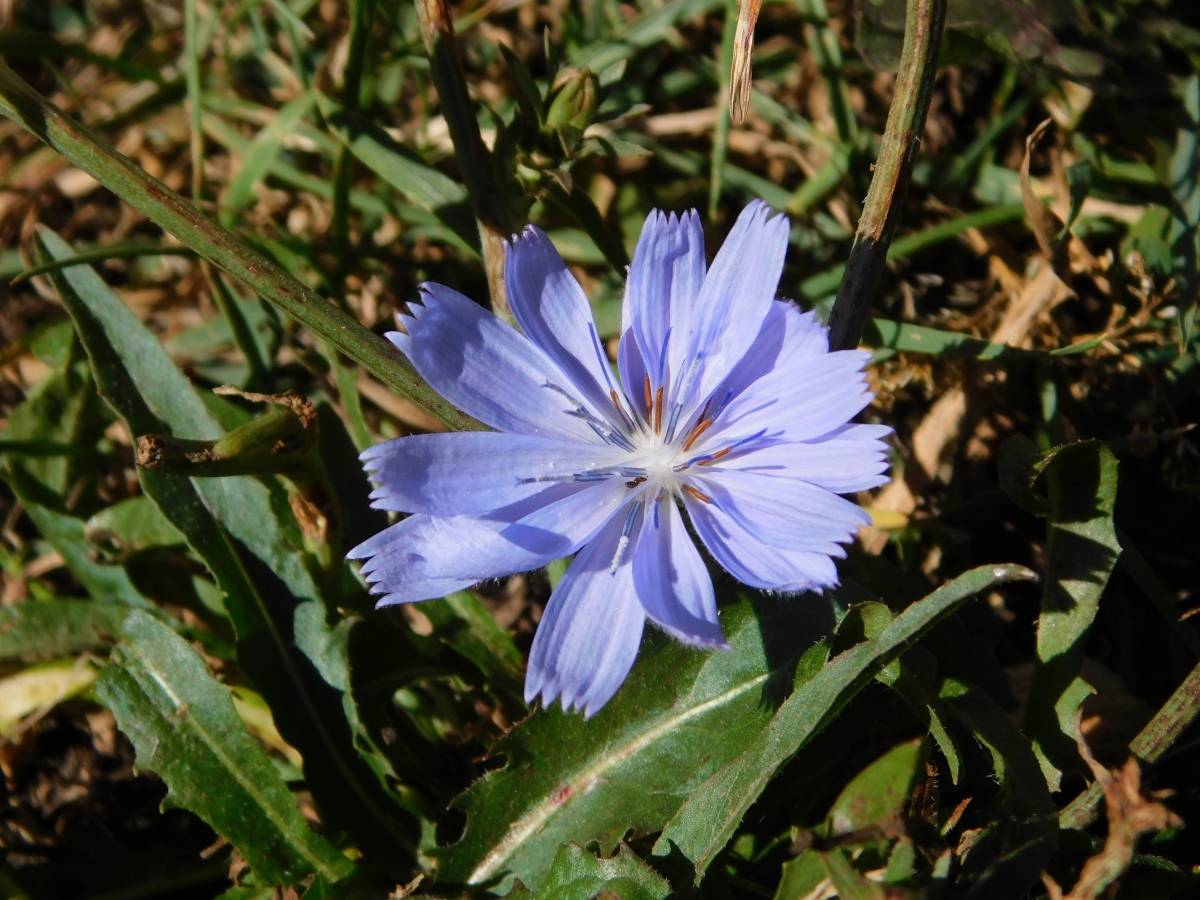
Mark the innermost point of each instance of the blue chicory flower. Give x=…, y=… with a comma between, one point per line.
x=729, y=405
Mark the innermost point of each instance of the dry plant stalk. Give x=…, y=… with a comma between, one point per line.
x=1131, y=813
x=743, y=59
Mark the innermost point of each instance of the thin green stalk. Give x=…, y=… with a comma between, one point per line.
x=893, y=169
x=175, y=215
x=118, y=250
x=195, y=45
x=362, y=19
x=721, y=134
x=345, y=377
x=823, y=44
x=243, y=336
x=1152, y=742
x=191, y=60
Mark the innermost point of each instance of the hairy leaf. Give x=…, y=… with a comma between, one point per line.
x=879, y=791
x=681, y=715
x=245, y=543
x=704, y=824
x=185, y=728
x=57, y=627
x=578, y=875
x=1081, y=551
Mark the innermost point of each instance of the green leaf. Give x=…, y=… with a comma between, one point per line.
x=246, y=546
x=185, y=728
x=65, y=534
x=41, y=687
x=653, y=26
x=1012, y=753
x=851, y=884
x=403, y=169
x=1081, y=551
x=878, y=793
x=578, y=875
x=127, y=527
x=704, y=824
x=57, y=627
x=680, y=715
x=263, y=150
x=580, y=207
x=801, y=876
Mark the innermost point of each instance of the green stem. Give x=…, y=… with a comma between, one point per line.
x=175, y=215
x=1151, y=743
x=893, y=169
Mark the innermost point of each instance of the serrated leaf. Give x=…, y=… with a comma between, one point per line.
x=1081, y=551
x=57, y=627
x=704, y=824
x=681, y=714
x=239, y=527
x=579, y=875
x=184, y=727
x=1012, y=754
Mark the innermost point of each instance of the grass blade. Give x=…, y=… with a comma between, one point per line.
x=175, y=215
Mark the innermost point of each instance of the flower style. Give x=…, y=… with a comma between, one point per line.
x=729, y=405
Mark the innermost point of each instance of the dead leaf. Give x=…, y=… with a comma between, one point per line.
x=1046, y=225
x=1131, y=813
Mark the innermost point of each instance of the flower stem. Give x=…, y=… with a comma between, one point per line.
x=175, y=215
x=893, y=169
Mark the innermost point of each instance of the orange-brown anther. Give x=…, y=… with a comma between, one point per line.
x=649, y=399
x=714, y=457
x=698, y=494
x=658, y=397
x=700, y=428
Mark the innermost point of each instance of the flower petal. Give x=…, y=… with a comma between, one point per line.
x=798, y=401
x=754, y=563
x=487, y=369
x=671, y=581
x=785, y=512
x=633, y=371
x=554, y=313
x=737, y=294
x=850, y=459
x=430, y=556
x=452, y=474
x=589, y=634
x=665, y=279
